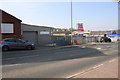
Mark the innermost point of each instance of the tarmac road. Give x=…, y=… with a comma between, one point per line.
x=56, y=62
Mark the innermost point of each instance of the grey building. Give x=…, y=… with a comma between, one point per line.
x=40, y=35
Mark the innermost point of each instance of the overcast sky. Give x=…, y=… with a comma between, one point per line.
x=93, y=15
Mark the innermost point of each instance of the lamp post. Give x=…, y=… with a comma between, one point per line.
x=71, y=22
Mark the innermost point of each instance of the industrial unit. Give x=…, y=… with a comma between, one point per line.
x=40, y=35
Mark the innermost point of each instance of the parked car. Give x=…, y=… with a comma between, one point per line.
x=11, y=43
x=104, y=39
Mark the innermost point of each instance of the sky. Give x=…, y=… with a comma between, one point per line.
x=93, y=15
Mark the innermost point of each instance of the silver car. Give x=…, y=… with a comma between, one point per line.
x=11, y=43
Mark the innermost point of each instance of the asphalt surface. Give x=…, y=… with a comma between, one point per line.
x=56, y=62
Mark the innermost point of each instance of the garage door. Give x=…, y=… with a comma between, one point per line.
x=30, y=36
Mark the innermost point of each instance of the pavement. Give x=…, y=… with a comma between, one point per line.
x=108, y=69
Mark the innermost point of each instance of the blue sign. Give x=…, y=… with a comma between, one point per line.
x=80, y=35
x=113, y=35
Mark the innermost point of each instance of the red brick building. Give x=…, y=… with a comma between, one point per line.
x=10, y=25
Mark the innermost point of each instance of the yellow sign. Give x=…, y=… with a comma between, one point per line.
x=59, y=34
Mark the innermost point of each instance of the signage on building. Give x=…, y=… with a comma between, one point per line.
x=44, y=32
x=80, y=27
x=59, y=34
x=80, y=35
x=113, y=35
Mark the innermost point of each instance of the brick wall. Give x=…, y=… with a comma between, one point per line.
x=8, y=18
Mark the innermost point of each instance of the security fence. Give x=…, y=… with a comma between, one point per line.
x=83, y=40
x=61, y=40
x=66, y=40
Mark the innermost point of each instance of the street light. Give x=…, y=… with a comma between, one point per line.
x=71, y=22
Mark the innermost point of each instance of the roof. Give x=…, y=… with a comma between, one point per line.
x=36, y=25
x=100, y=32
x=10, y=15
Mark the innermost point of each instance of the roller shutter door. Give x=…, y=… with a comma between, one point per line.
x=30, y=36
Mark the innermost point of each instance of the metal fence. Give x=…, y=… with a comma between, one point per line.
x=66, y=40
x=61, y=40
x=83, y=40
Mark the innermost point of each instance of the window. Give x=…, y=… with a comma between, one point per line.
x=10, y=40
x=7, y=28
x=20, y=41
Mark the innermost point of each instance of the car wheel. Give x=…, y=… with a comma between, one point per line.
x=109, y=40
x=29, y=47
x=5, y=48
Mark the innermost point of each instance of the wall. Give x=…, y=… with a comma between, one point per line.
x=7, y=18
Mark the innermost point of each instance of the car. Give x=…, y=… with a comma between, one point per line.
x=104, y=39
x=12, y=43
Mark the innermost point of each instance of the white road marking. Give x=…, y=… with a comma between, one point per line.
x=112, y=60
x=11, y=65
x=76, y=74
x=90, y=69
x=85, y=71
x=97, y=66
x=83, y=47
x=98, y=48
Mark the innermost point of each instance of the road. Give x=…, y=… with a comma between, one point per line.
x=58, y=62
